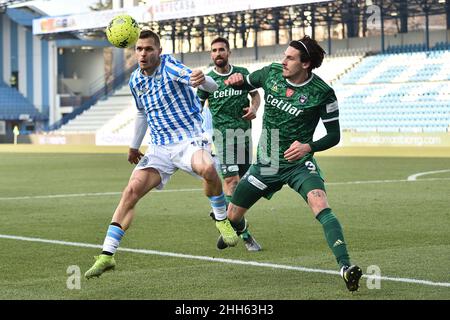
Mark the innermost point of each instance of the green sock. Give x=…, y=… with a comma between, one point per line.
x=239, y=226
x=228, y=199
x=334, y=236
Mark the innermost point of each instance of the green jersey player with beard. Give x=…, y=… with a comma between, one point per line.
x=231, y=113
x=295, y=100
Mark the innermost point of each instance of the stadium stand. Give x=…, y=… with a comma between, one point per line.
x=14, y=106
x=400, y=92
x=405, y=91
x=101, y=113
x=121, y=122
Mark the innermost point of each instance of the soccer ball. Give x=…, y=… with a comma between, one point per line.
x=123, y=31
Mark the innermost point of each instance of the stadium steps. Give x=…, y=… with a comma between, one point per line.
x=101, y=113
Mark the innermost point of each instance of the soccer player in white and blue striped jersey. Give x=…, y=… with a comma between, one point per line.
x=166, y=104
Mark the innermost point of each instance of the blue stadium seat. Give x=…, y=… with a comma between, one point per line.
x=13, y=105
x=417, y=102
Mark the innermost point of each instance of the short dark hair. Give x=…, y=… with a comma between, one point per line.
x=310, y=51
x=145, y=34
x=223, y=40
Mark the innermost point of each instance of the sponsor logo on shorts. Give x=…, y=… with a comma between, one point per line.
x=233, y=168
x=257, y=183
x=224, y=169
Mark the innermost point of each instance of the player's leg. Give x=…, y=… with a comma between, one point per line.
x=334, y=235
x=141, y=182
x=308, y=182
x=229, y=185
x=203, y=165
x=249, y=190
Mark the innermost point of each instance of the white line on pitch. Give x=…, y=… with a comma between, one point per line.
x=74, y=195
x=229, y=261
x=414, y=177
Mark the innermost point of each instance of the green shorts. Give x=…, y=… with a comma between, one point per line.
x=253, y=185
x=234, y=160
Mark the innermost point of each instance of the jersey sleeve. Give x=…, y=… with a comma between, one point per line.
x=329, y=109
x=178, y=71
x=245, y=73
x=256, y=79
x=138, y=103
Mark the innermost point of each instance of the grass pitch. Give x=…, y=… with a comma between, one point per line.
x=400, y=226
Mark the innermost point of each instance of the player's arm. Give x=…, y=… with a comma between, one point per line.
x=329, y=113
x=194, y=78
x=248, y=82
x=205, y=83
x=250, y=112
x=203, y=96
x=140, y=128
x=298, y=150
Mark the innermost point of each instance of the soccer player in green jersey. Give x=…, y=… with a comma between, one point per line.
x=295, y=100
x=231, y=113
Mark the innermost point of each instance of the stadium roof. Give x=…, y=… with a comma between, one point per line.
x=352, y=13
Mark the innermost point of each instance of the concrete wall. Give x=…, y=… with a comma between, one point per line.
x=80, y=68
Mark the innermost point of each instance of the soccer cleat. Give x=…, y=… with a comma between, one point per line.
x=102, y=264
x=351, y=276
x=229, y=236
x=249, y=242
x=220, y=244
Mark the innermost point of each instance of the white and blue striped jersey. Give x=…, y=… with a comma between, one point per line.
x=173, y=109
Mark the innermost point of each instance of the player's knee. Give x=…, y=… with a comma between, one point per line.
x=131, y=195
x=209, y=172
x=317, y=200
x=231, y=183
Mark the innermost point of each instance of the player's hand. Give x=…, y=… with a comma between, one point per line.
x=134, y=156
x=236, y=79
x=197, y=78
x=296, y=151
x=250, y=113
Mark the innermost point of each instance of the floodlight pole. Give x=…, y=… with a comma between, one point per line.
x=255, y=27
x=329, y=33
x=382, y=26
x=426, y=10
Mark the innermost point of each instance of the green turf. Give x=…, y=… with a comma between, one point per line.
x=402, y=227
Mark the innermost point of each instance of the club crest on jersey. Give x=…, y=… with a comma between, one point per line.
x=141, y=92
x=302, y=99
x=275, y=88
x=289, y=92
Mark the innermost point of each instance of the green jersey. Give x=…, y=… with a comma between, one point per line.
x=226, y=103
x=291, y=111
